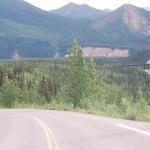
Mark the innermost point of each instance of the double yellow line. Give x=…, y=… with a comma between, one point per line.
x=52, y=144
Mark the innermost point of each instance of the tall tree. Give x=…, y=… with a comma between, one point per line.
x=77, y=76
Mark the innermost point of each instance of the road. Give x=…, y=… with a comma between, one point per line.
x=55, y=130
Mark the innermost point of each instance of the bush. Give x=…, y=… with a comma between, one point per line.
x=131, y=112
x=142, y=106
x=9, y=93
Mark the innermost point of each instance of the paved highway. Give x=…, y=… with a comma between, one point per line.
x=54, y=130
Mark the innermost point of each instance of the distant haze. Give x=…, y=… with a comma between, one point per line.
x=100, y=4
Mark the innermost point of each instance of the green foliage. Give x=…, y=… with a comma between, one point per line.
x=142, y=106
x=9, y=93
x=48, y=88
x=76, y=84
x=78, y=75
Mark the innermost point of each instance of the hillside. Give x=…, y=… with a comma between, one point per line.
x=24, y=13
x=13, y=29
x=129, y=17
x=126, y=27
x=33, y=32
x=33, y=26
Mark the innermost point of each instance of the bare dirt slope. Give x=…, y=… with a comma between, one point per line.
x=104, y=52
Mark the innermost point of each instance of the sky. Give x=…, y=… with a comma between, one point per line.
x=100, y=4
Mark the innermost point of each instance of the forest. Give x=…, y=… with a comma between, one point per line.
x=75, y=83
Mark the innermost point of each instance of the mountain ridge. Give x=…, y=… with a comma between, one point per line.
x=37, y=33
x=80, y=11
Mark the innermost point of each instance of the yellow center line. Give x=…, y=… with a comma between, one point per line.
x=52, y=144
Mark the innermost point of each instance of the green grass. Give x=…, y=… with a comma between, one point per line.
x=110, y=111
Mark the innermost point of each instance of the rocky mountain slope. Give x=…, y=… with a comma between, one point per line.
x=33, y=32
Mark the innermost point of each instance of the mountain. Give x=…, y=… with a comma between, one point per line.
x=128, y=17
x=127, y=27
x=83, y=11
x=32, y=32
x=24, y=13
x=37, y=30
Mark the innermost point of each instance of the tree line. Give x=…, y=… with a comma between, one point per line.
x=76, y=83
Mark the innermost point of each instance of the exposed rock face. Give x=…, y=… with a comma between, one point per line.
x=104, y=52
x=135, y=19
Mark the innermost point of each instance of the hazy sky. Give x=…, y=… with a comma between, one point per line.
x=101, y=4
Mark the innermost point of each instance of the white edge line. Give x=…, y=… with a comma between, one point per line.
x=133, y=129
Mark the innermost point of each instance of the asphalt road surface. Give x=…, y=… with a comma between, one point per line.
x=55, y=130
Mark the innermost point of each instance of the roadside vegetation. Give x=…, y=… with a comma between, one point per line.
x=76, y=84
